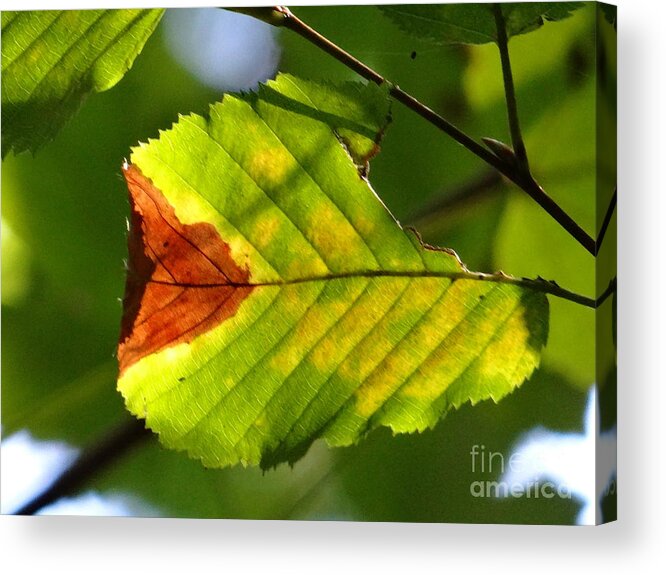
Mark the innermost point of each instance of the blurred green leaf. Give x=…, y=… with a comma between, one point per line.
x=467, y=218
x=68, y=205
x=52, y=60
x=545, y=66
x=610, y=13
x=15, y=267
x=473, y=23
x=530, y=243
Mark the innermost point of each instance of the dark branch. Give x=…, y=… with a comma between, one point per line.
x=94, y=458
x=607, y=220
x=611, y=289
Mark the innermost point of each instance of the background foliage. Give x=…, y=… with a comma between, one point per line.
x=66, y=210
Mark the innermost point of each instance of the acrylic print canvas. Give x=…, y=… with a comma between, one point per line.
x=323, y=263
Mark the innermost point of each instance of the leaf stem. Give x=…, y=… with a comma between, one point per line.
x=281, y=16
x=92, y=460
x=510, y=91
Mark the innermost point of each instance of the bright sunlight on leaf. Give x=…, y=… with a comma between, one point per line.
x=272, y=299
x=52, y=60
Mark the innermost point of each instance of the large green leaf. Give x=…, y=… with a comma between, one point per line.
x=272, y=299
x=473, y=23
x=52, y=60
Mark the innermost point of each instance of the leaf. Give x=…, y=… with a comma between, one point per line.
x=52, y=60
x=329, y=320
x=473, y=23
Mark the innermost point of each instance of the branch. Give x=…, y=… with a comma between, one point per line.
x=281, y=16
x=611, y=289
x=509, y=91
x=607, y=219
x=92, y=460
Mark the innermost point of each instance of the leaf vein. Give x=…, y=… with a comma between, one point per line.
x=309, y=353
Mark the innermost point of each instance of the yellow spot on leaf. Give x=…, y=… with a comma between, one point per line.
x=267, y=228
x=324, y=355
x=503, y=355
x=174, y=354
x=285, y=360
x=372, y=395
x=332, y=235
x=270, y=166
x=365, y=226
x=306, y=267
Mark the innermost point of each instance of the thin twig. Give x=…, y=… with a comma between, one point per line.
x=510, y=91
x=281, y=16
x=94, y=458
x=469, y=191
x=611, y=289
x=536, y=192
x=607, y=220
x=297, y=25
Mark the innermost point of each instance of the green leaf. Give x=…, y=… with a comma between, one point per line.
x=272, y=299
x=52, y=60
x=473, y=23
x=15, y=267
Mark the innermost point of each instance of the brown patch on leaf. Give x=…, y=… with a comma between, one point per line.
x=181, y=278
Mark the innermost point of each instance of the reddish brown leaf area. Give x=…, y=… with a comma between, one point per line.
x=181, y=278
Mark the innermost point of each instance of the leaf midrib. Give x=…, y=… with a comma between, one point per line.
x=467, y=275
x=441, y=22
x=537, y=285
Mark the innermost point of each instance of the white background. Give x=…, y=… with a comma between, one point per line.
x=635, y=542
